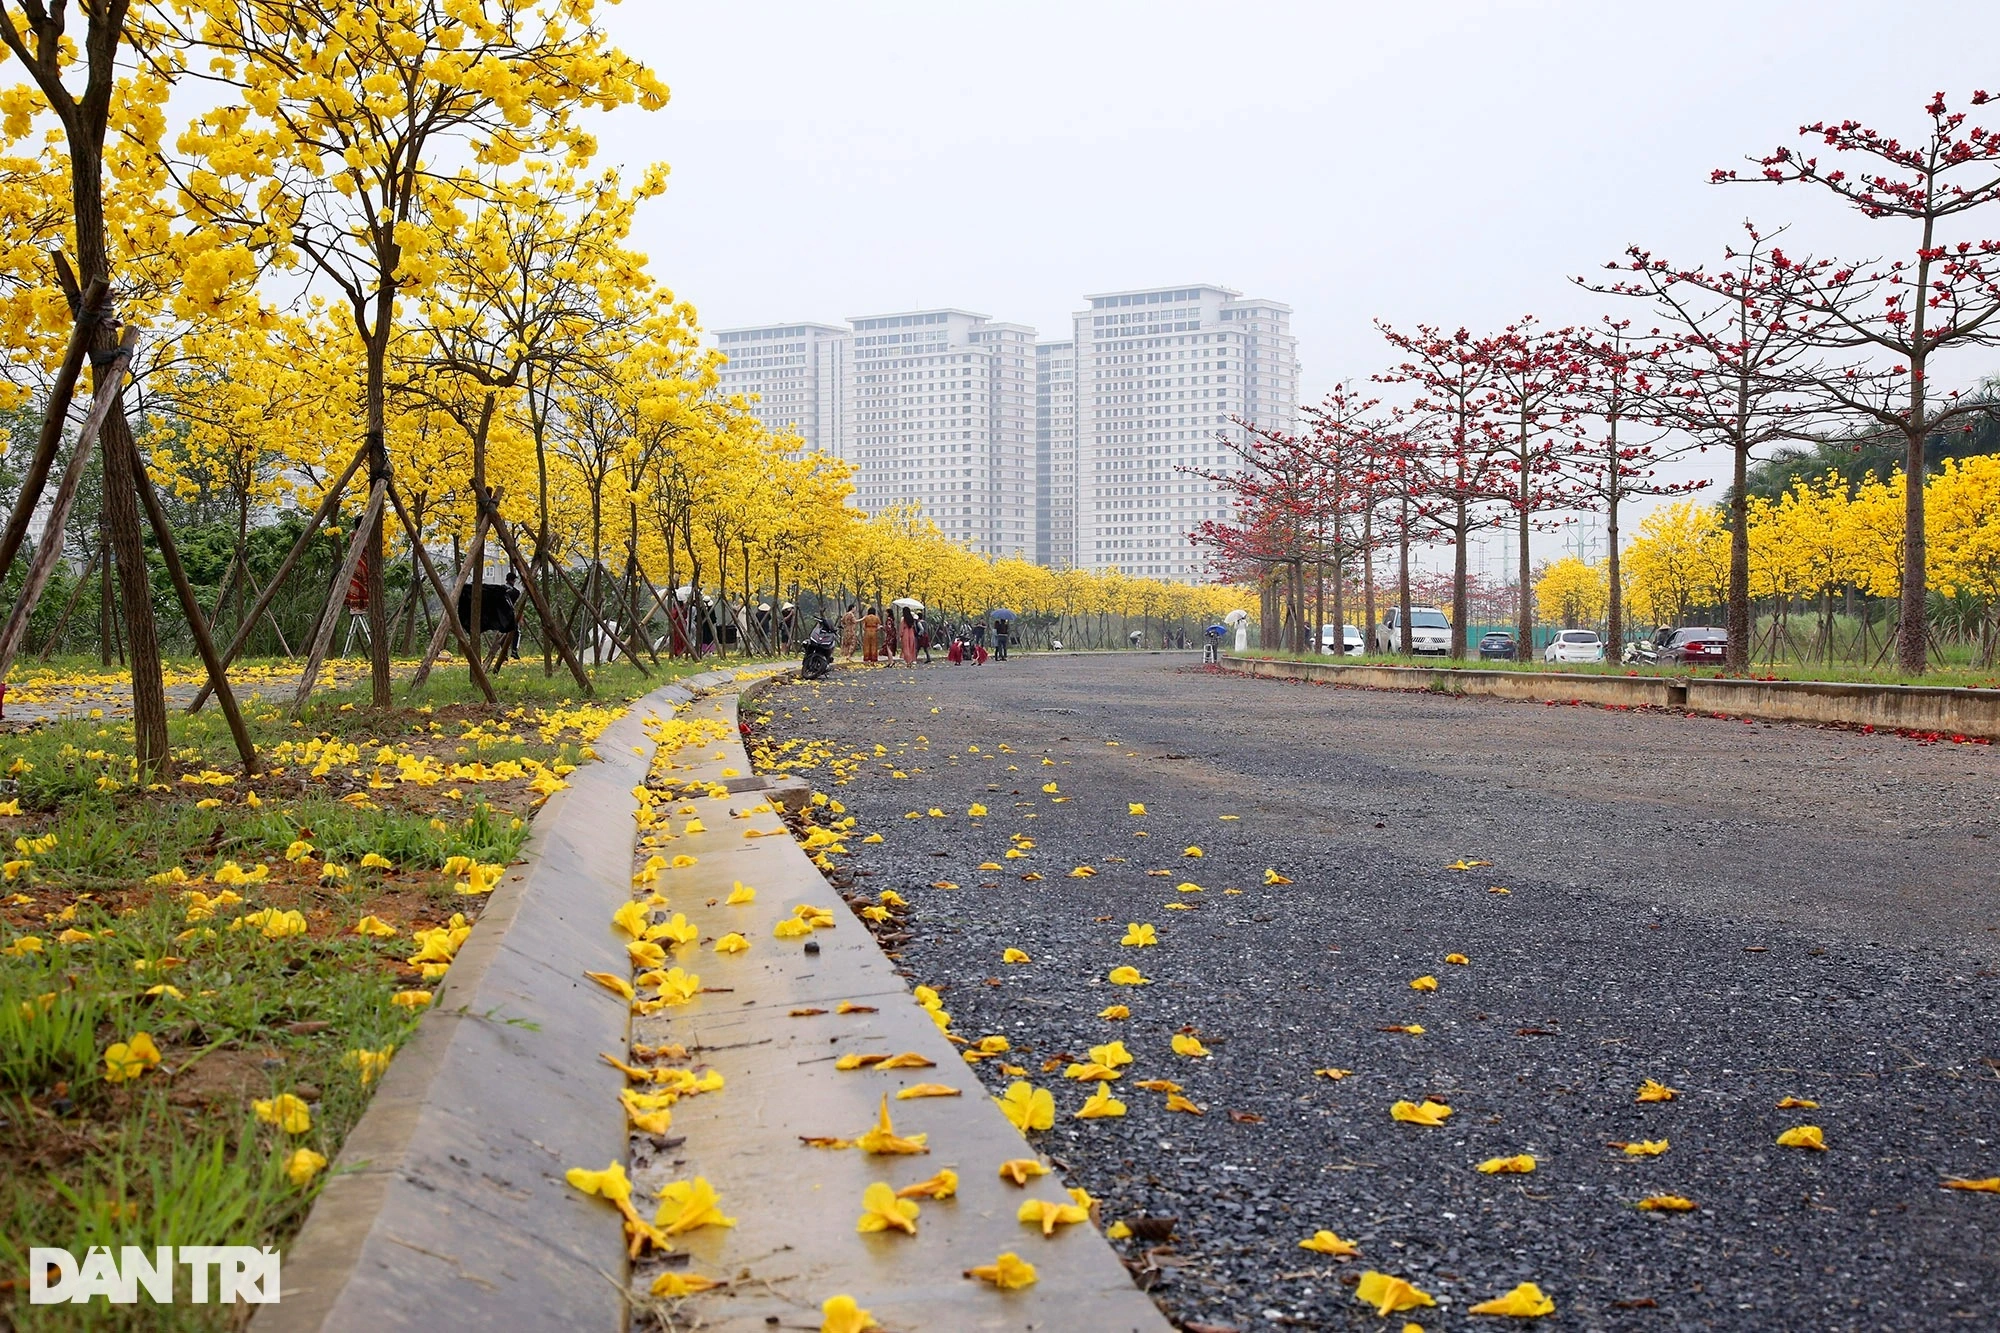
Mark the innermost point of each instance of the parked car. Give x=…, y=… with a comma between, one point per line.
x=1574, y=645
x=1430, y=632
x=1648, y=646
x=1699, y=645
x=1498, y=646
x=1352, y=644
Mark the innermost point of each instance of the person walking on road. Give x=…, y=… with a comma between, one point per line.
x=1002, y=632
x=924, y=638
x=907, y=635
x=871, y=636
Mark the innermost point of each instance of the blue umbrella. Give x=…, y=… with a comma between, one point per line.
x=1002, y=613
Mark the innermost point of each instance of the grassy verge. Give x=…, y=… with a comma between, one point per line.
x=1960, y=676
x=228, y=920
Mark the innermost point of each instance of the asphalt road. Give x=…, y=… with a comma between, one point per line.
x=1743, y=913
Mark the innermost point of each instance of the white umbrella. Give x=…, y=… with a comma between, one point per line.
x=910, y=602
x=1236, y=617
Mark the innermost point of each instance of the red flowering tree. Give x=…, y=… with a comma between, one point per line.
x=1939, y=291
x=1455, y=460
x=1738, y=347
x=1536, y=373
x=1621, y=381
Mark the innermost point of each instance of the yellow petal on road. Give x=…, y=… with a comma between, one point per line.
x=1803, y=1136
x=1325, y=1242
x=1665, y=1203
x=1389, y=1294
x=1518, y=1165
x=1523, y=1302
x=1430, y=1113
x=1652, y=1091
x=1009, y=1272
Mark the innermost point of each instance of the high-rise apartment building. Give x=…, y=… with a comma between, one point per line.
x=1066, y=453
x=1160, y=373
x=944, y=415
x=800, y=376
x=1055, y=454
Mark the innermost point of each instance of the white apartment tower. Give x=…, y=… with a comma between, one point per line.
x=943, y=414
x=799, y=375
x=1159, y=374
x=1055, y=454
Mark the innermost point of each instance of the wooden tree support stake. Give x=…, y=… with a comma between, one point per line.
x=443, y=627
x=450, y=619
x=329, y=621
x=319, y=517
x=549, y=624
x=61, y=393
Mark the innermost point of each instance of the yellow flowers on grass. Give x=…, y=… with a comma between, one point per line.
x=1009, y=1272
x=1652, y=1091
x=1189, y=1046
x=1518, y=1165
x=126, y=1060
x=285, y=1111
x=1139, y=935
x=1389, y=1295
x=881, y=1210
x=1027, y=1107
x=1803, y=1136
x=411, y=999
x=368, y=1064
x=1325, y=1242
x=1523, y=1302
x=1101, y=1105
x=301, y=1165
x=1126, y=976
x=1430, y=1113
x=374, y=925
x=299, y=850
x=24, y=946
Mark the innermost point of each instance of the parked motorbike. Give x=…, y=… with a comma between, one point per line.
x=818, y=647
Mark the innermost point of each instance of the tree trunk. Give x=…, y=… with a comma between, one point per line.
x=1739, y=560
x=1615, y=611
x=1461, y=594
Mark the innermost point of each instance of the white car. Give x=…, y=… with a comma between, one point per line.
x=1430, y=632
x=1352, y=644
x=1574, y=645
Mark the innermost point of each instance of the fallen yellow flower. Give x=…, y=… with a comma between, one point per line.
x=1335, y=1074
x=1136, y=808
x=1027, y=1106
x=1389, y=1294
x=731, y=943
x=285, y=1111
x=1325, y=1242
x=368, y=1064
x=1009, y=1272
x=885, y=1141
x=1015, y=956
x=881, y=1210
x=301, y=1165
x=126, y=1060
x=740, y=895
x=1195, y=852
x=1642, y=1148
x=1458, y=958
x=1021, y=1170
x=1652, y=1091
x=1797, y=1104
x=1518, y=1165
x=1803, y=1136
x=1114, y=1012
x=1090, y=1073
x=373, y=925
x=1049, y=1215
x=691, y=1205
x=1101, y=1105
x=1126, y=976
x=1273, y=877
x=1523, y=1302
x=1112, y=1055
x=1189, y=1046
x=1665, y=1203
x=1424, y=983
x=1176, y=1102
x=1157, y=1085
x=1139, y=935
x=671, y=1284
x=1083, y=872
x=1430, y=1113
x=1989, y=1185
x=940, y=1186
x=917, y=1090
x=839, y=1314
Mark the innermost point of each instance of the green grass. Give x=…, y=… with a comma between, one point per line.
x=177, y=1156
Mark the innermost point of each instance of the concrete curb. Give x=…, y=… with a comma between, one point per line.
x=1949, y=710
x=794, y=1243
x=447, y=1207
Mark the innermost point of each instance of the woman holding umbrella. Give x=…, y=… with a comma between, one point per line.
x=907, y=637
x=1003, y=632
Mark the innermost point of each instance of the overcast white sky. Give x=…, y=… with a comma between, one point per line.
x=1451, y=163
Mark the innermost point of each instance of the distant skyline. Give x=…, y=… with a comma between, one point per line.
x=1448, y=164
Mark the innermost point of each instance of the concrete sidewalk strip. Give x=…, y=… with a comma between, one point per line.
x=794, y=1243
x=447, y=1207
